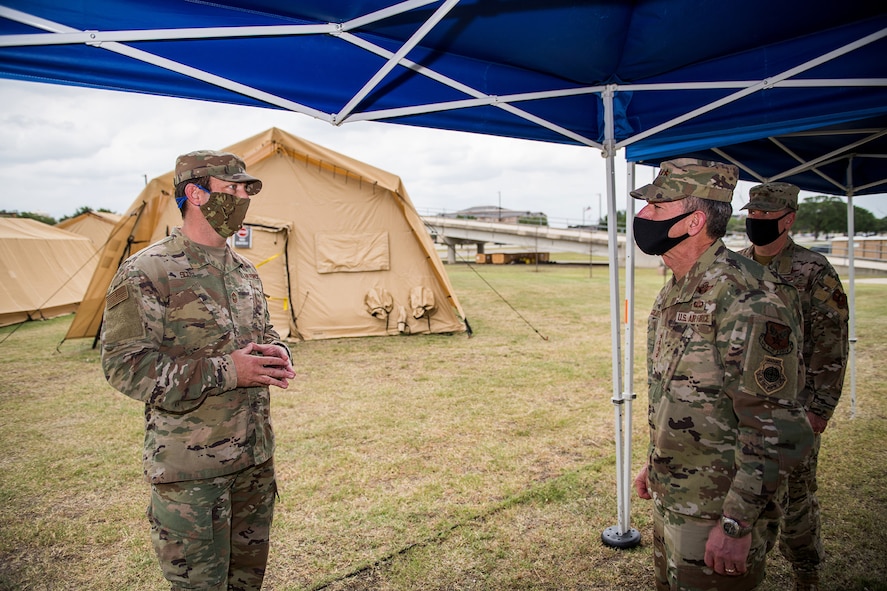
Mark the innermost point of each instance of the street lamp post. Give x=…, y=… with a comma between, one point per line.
x=600, y=212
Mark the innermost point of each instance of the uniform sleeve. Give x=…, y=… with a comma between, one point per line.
x=269, y=335
x=829, y=345
x=132, y=356
x=763, y=368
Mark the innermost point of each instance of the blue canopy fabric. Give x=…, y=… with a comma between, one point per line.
x=658, y=78
x=552, y=71
x=840, y=159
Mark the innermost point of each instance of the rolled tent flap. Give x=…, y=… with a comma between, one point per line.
x=421, y=301
x=379, y=303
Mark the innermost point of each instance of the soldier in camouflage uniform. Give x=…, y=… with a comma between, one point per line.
x=186, y=331
x=771, y=214
x=723, y=363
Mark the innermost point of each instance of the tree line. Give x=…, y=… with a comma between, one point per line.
x=49, y=219
x=828, y=215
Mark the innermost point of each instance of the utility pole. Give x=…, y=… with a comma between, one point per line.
x=600, y=212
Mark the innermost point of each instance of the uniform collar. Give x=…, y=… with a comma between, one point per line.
x=695, y=281
x=201, y=256
x=783, y=261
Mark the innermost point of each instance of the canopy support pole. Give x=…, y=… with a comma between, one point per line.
x=851, y=271
x=620, y=535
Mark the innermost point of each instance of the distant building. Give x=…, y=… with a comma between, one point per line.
x=492, y=213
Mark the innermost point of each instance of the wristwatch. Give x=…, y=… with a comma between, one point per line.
x=733, y=529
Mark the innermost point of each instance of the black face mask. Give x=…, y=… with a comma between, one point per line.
x=652, y=236
x=763, y=232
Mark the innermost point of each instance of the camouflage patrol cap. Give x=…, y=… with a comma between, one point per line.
x=773, y=197
x=689, y=177
x=221, y=165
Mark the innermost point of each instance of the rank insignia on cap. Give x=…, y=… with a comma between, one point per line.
x=770, y=375
x=775, y=339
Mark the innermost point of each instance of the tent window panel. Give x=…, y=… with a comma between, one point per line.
x=351, y=253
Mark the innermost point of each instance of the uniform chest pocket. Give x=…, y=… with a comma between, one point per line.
x=668, y=350
x=686, y=363
x=195, y=321
x=246, y=302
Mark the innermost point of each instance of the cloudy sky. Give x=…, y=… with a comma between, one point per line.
x=63, y=148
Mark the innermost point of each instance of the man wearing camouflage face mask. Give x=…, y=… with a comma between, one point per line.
x=186, y=331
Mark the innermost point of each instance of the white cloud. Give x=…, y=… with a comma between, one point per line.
x=70, y=147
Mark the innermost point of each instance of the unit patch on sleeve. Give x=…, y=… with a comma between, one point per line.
x=770, y=375
x=776, y=339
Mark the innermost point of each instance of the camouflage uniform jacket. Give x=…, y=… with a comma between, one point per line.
x=173, y=317
x=824, y=307
x=724, y=364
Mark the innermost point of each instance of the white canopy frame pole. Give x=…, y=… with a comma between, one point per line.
x=851, y=274
x=394, y=60
x=620, y=535
x=628, y=393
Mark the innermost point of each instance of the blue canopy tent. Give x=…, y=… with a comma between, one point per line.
x=597, y=73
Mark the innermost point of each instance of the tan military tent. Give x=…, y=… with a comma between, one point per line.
x=95, y=225
x=337, y=242
x=44, y=270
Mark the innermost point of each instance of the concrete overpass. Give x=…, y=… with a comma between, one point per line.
x=454, y=231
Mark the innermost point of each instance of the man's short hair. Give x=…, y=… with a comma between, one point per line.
x=717, y=214
x=180, y=190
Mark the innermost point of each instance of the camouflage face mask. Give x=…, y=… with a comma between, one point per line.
x=225, y=213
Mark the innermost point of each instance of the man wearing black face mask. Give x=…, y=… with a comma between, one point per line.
x=723, y=369
x=771, y=214
x=186, y=332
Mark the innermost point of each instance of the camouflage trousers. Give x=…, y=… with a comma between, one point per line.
x=213, y=534
x=679, y=555
x=799, y=529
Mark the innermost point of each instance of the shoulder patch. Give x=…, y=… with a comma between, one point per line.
x=776, y=339
x=840, y=299
x=833, y=298
x=770, y=375
x=123, y=320
x=121, y=294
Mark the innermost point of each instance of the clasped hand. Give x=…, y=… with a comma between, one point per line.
x=262, y=365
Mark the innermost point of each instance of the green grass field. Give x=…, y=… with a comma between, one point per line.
x=423, y=462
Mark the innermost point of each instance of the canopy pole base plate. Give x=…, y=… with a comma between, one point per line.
x=611, y=537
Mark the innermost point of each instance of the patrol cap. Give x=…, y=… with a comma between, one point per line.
x=689, y=177
x=773, y=197
x=221, y=165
